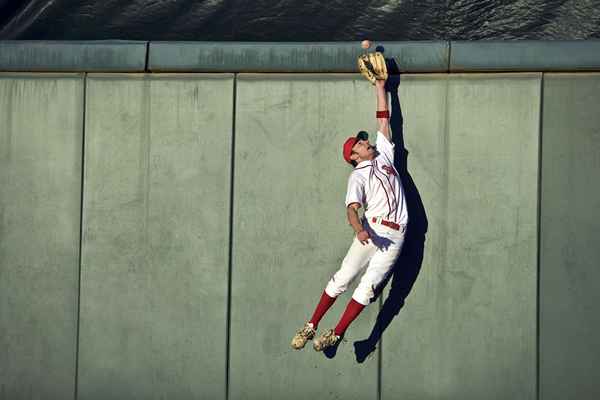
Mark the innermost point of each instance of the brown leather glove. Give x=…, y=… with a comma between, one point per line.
x=372, y=66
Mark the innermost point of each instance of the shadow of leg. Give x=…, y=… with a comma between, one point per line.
x=331, y=352
x=405, y=274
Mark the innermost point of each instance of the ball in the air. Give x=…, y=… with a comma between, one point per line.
x=365, y=44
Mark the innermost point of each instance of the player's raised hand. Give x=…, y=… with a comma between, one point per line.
x=363, y=237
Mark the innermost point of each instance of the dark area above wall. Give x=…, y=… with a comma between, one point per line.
x=298, y=21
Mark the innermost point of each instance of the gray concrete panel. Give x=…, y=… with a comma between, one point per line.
x=426, y=56
x=570, y=228
x=410, y=359
x=525, y=55
x=290, y=234
x=40, y=193
x=488, y=312
x=103, y=55
x=156, y=237
x=468, y=330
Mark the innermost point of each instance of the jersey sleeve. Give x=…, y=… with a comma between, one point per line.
x=385, y=147
x=356, y=190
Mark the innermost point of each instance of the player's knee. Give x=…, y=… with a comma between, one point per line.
x=361, y=297
x=364, y=294
x=335, y=288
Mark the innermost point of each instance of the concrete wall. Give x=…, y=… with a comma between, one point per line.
x=469, y=328
x=290, y=234
x=41, y=122
x=155, y=249
x=569, y=250
x=191, y=284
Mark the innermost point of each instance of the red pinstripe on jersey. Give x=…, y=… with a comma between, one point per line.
x=384, y=188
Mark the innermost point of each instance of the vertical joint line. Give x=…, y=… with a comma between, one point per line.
x=230, y=262
x=539, y=239
x=379, y=356
x=147, y=57
x=82, y=184
x=449, y=56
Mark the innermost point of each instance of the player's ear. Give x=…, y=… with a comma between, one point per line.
x=354, y=156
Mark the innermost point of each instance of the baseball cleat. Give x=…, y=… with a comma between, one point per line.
x=326, y=340
x=302, y=336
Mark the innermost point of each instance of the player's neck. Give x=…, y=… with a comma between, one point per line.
x=370, y=157
x=363, y=160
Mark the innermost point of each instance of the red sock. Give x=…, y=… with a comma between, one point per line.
x=352, y=310
x=324, y=304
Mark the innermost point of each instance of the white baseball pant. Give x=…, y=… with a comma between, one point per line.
x=376, y=259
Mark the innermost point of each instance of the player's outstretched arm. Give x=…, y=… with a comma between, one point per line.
x=383, y=117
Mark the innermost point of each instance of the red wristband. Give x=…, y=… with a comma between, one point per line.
x=383, y=114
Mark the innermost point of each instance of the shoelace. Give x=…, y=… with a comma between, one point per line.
x=330, y=337
x=306, y=331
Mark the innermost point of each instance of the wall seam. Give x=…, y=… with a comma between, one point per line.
x=380, y=358
x=539, y=238
x=230, y=256
x=78, y=312
x=147, y=57
x=449, y=56
x=444, y=226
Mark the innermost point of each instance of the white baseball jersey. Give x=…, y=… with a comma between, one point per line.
x=376, y=186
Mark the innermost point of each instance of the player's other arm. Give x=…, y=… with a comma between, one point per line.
x=383, y=121
x=354, y=220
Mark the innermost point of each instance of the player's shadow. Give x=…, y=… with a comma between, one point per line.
x=380, y=242
x=407, y=267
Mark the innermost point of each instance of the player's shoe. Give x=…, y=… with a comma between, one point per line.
x=326, y=340
x=302, y=336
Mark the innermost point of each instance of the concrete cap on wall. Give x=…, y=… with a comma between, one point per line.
x=525, y=55
x=330, y=57
x=296, y=57
x=58, y=56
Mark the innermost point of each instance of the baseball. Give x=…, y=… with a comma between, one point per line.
x=365, y=44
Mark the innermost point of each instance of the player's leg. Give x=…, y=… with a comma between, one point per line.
x=361, y=297
x=378, y=269
x=353, y=264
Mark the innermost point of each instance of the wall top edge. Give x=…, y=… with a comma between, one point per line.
x=80, y=56
x=297, y=57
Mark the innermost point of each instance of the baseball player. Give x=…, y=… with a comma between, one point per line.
x=374, y=187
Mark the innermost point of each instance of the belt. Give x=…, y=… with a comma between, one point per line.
x=389, y=224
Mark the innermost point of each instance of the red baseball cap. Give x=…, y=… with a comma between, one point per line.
x=349, y=144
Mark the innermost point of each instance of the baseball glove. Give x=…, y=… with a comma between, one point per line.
x=372, y=66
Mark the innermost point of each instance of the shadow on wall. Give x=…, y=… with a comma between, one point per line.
x=408, y=265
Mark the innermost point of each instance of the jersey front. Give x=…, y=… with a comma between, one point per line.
x=376, y=186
